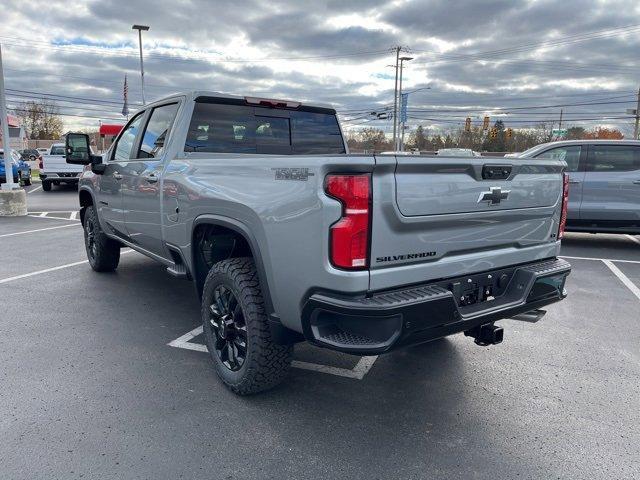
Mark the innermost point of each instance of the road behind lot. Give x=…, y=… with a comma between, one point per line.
x=90, y=388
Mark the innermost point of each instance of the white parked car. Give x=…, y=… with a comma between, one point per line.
x=457, y=152
x=55, y=170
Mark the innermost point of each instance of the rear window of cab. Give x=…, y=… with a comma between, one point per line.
x=222, y=128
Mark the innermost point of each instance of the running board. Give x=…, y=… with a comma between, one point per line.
x=178, y=270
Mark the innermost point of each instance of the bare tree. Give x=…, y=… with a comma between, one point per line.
x=40, y=118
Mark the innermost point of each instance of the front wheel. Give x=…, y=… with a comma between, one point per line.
x=103, y=252
x=236, y=330
x=46, y=186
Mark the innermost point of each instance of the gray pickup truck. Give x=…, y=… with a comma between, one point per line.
x=287, y=237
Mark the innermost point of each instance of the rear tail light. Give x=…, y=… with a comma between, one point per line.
x=349, y=236
x=565, y=205
x=40, y=163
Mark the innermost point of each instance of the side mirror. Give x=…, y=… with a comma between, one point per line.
x=77, y=149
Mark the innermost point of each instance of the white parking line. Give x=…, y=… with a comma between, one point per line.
x=73, y=215
x=52, y=269
x=358, y=372
x=39, y=272
x=39, y=230
x=600, y=259
x=44, y=215
x=34, y=189
x=623, y=278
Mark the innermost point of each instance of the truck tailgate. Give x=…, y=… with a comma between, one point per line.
x=437, y=186
x=452, y=216
x=58, y=164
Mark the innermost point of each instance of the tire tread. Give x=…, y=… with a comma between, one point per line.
x=268, y=362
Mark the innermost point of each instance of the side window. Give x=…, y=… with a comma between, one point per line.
x=315, y=133
x=152, y=145
x=569, y=153
x=614, y=158
x=122, y=152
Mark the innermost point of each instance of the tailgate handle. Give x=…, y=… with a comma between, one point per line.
x=496, y=172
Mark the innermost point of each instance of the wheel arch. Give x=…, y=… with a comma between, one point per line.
x=85, y=196
x=242, y=231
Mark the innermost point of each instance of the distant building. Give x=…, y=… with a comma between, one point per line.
x=18, y=138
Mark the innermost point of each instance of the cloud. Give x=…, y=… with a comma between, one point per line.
x=291, y=50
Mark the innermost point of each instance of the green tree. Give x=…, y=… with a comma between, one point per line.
x=420, y=140
x=496, y=144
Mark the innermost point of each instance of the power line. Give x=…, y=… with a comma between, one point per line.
x=545, y=43
x=112, y=51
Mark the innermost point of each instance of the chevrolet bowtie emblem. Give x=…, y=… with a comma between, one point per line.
x=493, y=196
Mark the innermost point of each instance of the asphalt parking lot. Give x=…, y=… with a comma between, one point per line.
x=104, y=376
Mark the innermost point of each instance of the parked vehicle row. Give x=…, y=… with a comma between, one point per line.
x=21, y=170
x=604, y=177
x=54, y=170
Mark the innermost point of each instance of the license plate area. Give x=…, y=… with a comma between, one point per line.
x=479, y=288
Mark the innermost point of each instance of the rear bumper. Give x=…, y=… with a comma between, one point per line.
x=387, y=320
x=60, y=177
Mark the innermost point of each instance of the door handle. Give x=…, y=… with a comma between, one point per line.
x=117, y=175
x=574, y=181
x=151, y=178
x=636, y=182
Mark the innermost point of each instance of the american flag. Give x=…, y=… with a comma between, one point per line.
x=125, y=92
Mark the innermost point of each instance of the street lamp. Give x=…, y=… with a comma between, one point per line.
x=400, y=144
x=140, y=28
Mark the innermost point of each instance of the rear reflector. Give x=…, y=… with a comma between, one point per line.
x=565, y=205
x=271, y=102
x=349, y=236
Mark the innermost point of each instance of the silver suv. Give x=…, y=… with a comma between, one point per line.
x=604, y=196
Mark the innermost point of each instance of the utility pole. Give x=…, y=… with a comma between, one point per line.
x=140, y=28
x=637, y=127
x=560, y=122
x=395, y=98
x=6, y=140
x=400, y=145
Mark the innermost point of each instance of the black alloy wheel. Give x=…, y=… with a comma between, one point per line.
x=230, y=329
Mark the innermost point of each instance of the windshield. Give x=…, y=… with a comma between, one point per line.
x=57, y=150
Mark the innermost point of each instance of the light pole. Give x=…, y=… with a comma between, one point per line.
x=140, y=28
x=400, y=143
x=6, y=140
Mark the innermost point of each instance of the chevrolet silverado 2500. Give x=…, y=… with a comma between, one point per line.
x=287, y=237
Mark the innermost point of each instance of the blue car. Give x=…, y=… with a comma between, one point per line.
x=21, y=169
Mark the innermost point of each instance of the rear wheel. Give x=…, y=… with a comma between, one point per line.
x=46, y=186
x=103, y=252
x=236, y=330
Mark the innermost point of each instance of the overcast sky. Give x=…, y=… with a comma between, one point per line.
x=497, y=57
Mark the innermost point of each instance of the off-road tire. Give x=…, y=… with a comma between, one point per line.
x=46, y=186
x=27, y=181
x=103, y=252
x=266, y=363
